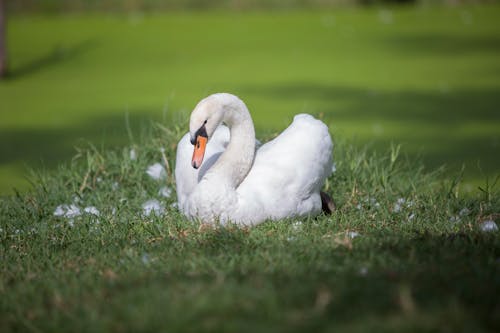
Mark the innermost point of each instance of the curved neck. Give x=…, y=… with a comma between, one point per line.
x=236, y=161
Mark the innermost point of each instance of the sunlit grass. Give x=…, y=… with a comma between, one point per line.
x=425, y=77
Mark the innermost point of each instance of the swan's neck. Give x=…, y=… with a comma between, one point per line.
x=236, y=161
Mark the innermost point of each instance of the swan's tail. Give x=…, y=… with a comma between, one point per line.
x=327, y=204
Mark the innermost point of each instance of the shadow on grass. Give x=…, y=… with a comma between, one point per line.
x=418, y=281
x=450, y=127
x=445, y=44
x=411, y=284
x=58, y=55
x=447, y=107
x=49, y=147
x=428, y=274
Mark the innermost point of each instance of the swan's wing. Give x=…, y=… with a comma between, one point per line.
x=289, y=171
x=187, y=177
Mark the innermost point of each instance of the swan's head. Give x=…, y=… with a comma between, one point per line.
x=205, y=119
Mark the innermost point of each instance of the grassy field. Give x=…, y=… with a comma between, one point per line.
x=424, y=77
x=409, y=249
x=405, y=252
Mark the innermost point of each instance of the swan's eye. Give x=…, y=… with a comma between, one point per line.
x=205, y=122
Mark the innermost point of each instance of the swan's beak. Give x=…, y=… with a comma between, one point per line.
x=199, y=151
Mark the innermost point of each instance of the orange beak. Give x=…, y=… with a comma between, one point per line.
x=199, y=151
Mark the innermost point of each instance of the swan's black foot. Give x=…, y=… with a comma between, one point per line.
x=327, y=204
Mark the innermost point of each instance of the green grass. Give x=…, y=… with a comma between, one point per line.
x=429, y=79
x=424, y=77
x=426, y=267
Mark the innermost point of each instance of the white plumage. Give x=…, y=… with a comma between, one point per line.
x=239, y=184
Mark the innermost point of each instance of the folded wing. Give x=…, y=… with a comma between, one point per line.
x=288, y=172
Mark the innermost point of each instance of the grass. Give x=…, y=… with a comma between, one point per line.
x=404, y=252
x=424, y=77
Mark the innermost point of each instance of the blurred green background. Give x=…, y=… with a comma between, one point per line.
x=422, y=74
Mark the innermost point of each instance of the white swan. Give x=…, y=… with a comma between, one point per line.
x=238, y=184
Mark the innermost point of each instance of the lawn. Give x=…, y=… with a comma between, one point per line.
x=404, y=252
x=424, y=77
x=411, y=247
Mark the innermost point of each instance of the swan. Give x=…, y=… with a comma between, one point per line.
x=222, y=178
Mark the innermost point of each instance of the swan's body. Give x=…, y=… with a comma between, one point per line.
x=238, y=184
